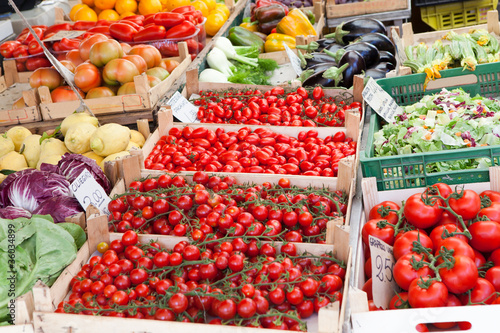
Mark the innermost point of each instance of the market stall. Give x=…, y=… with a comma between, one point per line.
x=261, y=165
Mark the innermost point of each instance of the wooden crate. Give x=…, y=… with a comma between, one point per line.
x=364, y=7
x=23, y=313
x=482, y=318
x=145, y=99
x=9, y=93
x=329, y=319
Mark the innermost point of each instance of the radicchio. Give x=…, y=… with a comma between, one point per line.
x=12, y=213
x=59, y=208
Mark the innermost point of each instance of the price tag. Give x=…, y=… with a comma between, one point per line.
x=383, y=281
x=380, y=101
x=294, y=60
x=182, y=109
x=87, y=191
x=64, y=34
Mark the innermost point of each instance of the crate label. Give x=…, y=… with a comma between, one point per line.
x=182, y=109
x=294, y=60
x=383, y=281
x=88, y=191
x=380, y=101
x=64, y=34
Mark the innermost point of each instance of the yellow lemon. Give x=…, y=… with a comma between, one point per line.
x=86, y=14
x=75, y=9
x=123, y=6
x=109, y=14
x=89, y=3
x=105, y=4
x=126, y=14
x=210, y=4
x=224, y=8
x=201, y=6
x=149, y=7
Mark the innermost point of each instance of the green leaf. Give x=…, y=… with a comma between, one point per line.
x=7, y=171
x=75, y=231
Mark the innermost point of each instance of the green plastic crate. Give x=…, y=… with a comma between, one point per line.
x=408, y=171
x=457, y=14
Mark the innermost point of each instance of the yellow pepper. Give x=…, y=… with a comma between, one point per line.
x=251, y=26
x=214, y=22
x=295, y=24
x=276, y=42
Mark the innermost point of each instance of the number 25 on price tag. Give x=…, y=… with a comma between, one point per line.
x=383, y=283
x=88, y=191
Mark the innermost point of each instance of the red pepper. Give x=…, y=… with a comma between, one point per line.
x=20, y=52
x=168, y=20
x=83, y=25
x=104, y=23
x=155, y=32
x=57, y=27
x=131, y=23
x=21, y=37
x=56, y=46
x=137, y=19
x=26, y=30
x=184, y=9
x=185, y=29
x=67, y=44
x=122, y=31
x=8, y=47
x=190, y=18
x=34, y=47
x=100, y=30
x=29, y=38
x=37, y=62
x=149, y=20
x=169, y=49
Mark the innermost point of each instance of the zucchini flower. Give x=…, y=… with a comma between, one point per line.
x=480, y=36
x=469, y=60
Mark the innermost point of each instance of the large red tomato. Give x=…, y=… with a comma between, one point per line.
x=100, y=92
x=435, y=294
x=420, y=214
x=74, y=57
x=104, y=51
x=149, y=53
x=119, y=71
x=87, y=76
x=462, y=276
x=404, y=273
x=467, y=206
x=138, y=61
x=372, y=228
x=64, y=94
x=48, y=77
x=485, y=235
x=391, y=217
x=404, y=243
x=87, y=43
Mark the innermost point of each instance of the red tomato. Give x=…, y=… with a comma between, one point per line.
x=420, y=214
x=427, y=294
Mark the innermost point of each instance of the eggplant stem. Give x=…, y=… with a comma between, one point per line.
x=335, y=73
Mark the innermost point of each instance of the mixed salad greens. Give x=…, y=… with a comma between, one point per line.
x=443, y=121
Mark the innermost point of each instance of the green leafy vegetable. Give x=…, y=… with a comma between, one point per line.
x=250, y=75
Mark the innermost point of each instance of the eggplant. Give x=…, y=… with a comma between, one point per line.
x=321, y=67
x=356, y=66
x=379, y=40
x=325, y=42
x=318, y=79
x=386, y=56
x=369, y=52
x=349, y=31
x=384, y=66
x=375, y=73
x=318, y=58
x=334, y=47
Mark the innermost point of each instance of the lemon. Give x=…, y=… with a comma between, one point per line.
x=126, y=6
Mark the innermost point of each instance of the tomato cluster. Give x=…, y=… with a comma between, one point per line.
x=441, y=240
x=274, y=107
x=215, y=208
x=257, y=151
x=238, y=282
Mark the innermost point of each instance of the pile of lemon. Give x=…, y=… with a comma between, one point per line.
x=113, y=10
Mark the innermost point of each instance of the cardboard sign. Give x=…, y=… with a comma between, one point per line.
x=182, y=109
x=383, y=281
x=64, y=34
x=88, y=191
x=380, y=101
x=294, y=60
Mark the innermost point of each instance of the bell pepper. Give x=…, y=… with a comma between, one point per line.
x=295, y=24
x=263, y=3
x=269, y=17
x=154, y=32
x=277, y=42
x=168, y=20
x=215, y=21
x=242, y=37
x=253, y=27
x=185, y=29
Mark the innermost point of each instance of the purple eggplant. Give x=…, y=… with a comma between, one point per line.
x=324, y=43
x=321, y=67
x=334, y=47
x=379, y=40
x=318, y=58
x=356, y=66
x=318, y=79
x=375, y=73
x=368, y=52
x=386, y=56
x=384, y=66
x=349, y=31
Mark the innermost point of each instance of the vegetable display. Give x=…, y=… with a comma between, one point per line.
x=257, y=151
x=446, y=246
x=42, y=250
x=148, y=281
x=300, y=107
x=222, y=208
x=443, y=121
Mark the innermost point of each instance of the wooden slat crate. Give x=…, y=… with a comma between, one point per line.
x=45, y=320
x=364, y=7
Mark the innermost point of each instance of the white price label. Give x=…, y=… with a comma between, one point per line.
x=182, y=109
x=294, y=60
x=88, y=191
x=380, y=101
x=383, y=283
x=64, y=34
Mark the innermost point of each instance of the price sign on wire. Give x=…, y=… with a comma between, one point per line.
x=294, y=60
x=383, y=281
x=88, y=191
x=380, y=101
x=182, y=109
x=64, y=34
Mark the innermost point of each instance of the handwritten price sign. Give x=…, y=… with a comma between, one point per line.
x=383, y=281
x=88, y=191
